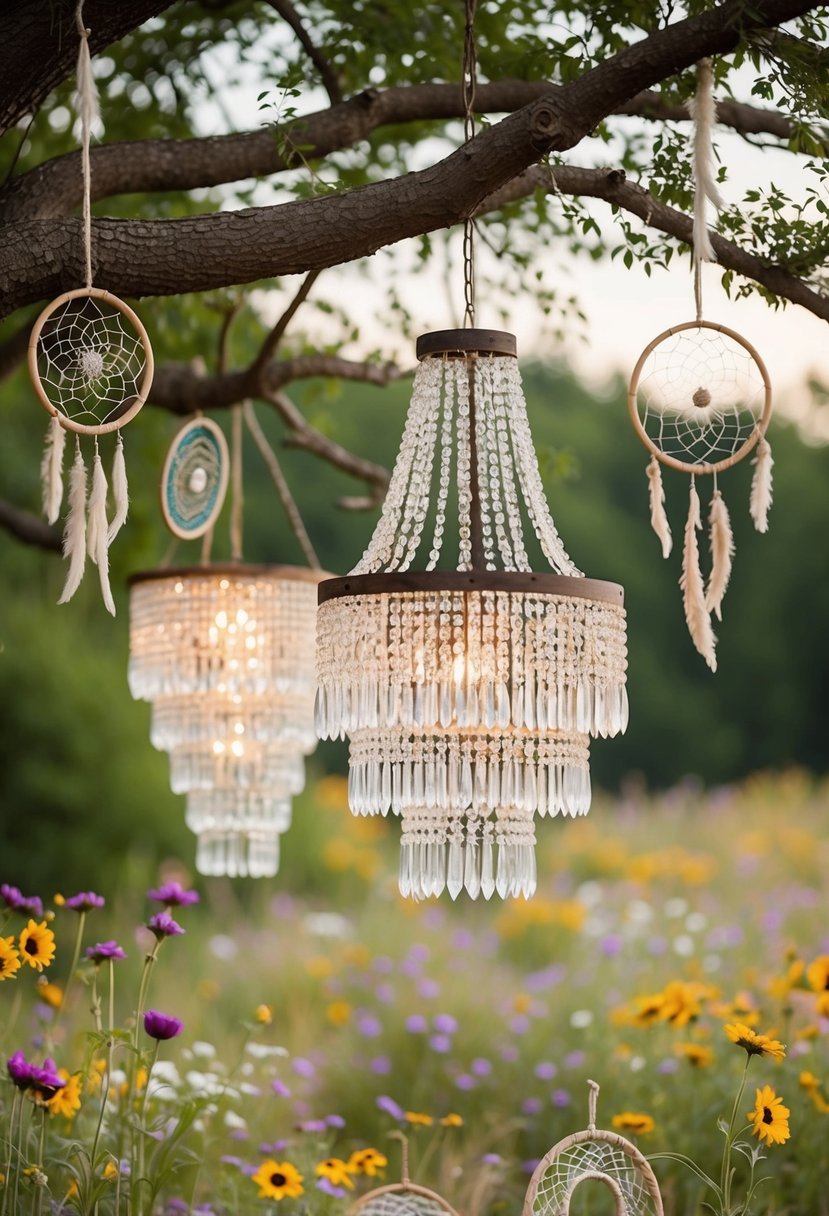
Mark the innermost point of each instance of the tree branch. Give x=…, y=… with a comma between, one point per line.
x=276, y=335
x=28, y=528
x=613, y=188
x=328, y=76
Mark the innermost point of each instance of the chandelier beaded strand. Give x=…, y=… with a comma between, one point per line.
x=469, y=694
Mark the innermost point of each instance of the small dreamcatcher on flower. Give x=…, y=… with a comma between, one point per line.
x=91, y=365
x=700, y=401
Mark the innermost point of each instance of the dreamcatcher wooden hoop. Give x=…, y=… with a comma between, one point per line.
x=68, y=365
x=593, y=1155
x=404, y=1198
x=191, y=507
x=754, y=436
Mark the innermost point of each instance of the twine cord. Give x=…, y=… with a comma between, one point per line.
x=282, y=488
x=87, y=105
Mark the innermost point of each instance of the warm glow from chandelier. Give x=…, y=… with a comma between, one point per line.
x=225, y=655
x=469, y=695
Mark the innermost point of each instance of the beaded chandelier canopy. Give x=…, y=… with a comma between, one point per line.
x=469, y=695
x=225, y=655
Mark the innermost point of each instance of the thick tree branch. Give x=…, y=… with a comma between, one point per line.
x=612, y=187
x=27, y=527
x=203, y=252
x=328, y=76
x=39, y=45
x=54, y=188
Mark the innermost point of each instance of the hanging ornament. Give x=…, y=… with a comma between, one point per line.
x=700, y=401
x=468, y=694
x=91, y=365
x=593, y=1156
x=225, y=654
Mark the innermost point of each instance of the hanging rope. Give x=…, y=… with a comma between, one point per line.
x=282, y=488
x=88, y=111
x=469, y=87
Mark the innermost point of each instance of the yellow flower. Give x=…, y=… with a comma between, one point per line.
x=367, y=1161
x=37, y=945
x=418, y=1120
x=96, y=1073
x=648, y=1009
x=9, y=959
x=66, y=1101
x=451, y=1120
x=754, y=1044
x=817, y=973
x=50, y=994
x=811, y=1084
x=679, y=1004
x=770, y=1117
x=110, y=1170
x=781, y=986
x=630, y=1121
x=58, y=900
x=695, y=1053
x=337, y=1171
x=264, y=1014
x=338, y=1013
x=278, y=1179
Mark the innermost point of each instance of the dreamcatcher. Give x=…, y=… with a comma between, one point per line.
x=700, y=401
x=593, y=1155
x=91, y=364
x=403, y=1198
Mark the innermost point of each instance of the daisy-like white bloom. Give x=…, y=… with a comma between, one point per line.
x=9, y=959
x=278, y=1180
x=632, y=1121
x=754, y=1044
x=337, y=1171
x=37, y=945
x=770, y=1117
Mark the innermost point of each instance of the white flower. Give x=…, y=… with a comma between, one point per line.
x=264, y=1051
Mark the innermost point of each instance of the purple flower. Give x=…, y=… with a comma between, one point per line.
x=481, y=1067
x=491, y=1159
x=280, y=1088
x=104, y=951
x=611, y=944
x=84, y=901
x=390, y=1107
x=545, y=1070
x=465, y=1081
x=532, y=1106
x=381, y=1065
x=441, y=1043
x=560, y=1097
x=173, y=895
x=45, y=1078
x=509, y=1053
x=31, y=905
x=519, y=1024
x=428, y=988
x=444, y=1023
x=327, y=1187
x=334, y=1121
x=303, y=1067
x=315, y=1127
x=416, y=1023
x=668, y=1065
x=574, y=1059
x=20, y=1070
x=163, y=925
x=161, y=1026
x=369, y=1025
x=385, y=993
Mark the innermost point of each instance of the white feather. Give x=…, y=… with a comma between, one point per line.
x=120, y=492
x=87, y=102
x=51, y=470
x=693, y=591
x=659, y=520
x=74, y=535
x=761, y=487
x=703, y=111
x=96, y=537
x=722, y=552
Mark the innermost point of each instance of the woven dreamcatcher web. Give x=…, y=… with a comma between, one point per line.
x=597, y=1158
x=195, y=477
x=700, y=401
x=91, y=365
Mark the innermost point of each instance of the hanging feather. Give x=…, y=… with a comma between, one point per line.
x=87, y=101
x=760, y=500
x=703, y=111
x=659, y=520
x=120, y=491
x=97, y=543
x=722, y=552
x=693, y=591
x=74, y=536
x=51, y=470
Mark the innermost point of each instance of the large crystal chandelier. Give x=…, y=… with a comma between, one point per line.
x=225, y=655
x=468, y=695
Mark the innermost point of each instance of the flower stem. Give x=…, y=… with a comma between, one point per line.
x=142, y=1130
x=108, y=1072
x=41, y=1151
x=9, y=1157
x=76, y=954
x=725, y=1174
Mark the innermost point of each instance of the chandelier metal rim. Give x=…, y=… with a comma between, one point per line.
x=299, y=574
x=459, y=343
x=541, y=583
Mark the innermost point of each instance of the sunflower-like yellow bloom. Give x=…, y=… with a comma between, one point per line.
x=9, y=959
x=66, y=1101
x=337, y=1171
x=37, y=945
x=264, y=1014
x=770, y=1117
x=695, y=1053
x=367, y=1161
x=811, y=1084
x=754, y=1044
x=632, y=1121
x=50, y=994
x=817, y=974
x=278, y=1180
x=451, y=1120
x=418, y=1120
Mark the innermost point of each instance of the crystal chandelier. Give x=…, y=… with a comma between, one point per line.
x=225, y=655
x=468, y=695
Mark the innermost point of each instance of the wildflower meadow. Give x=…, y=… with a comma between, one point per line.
x=213, y=1048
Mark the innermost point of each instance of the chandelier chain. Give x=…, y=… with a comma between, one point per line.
x=469, y=87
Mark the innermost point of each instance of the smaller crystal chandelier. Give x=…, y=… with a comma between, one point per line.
x=225, y=655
